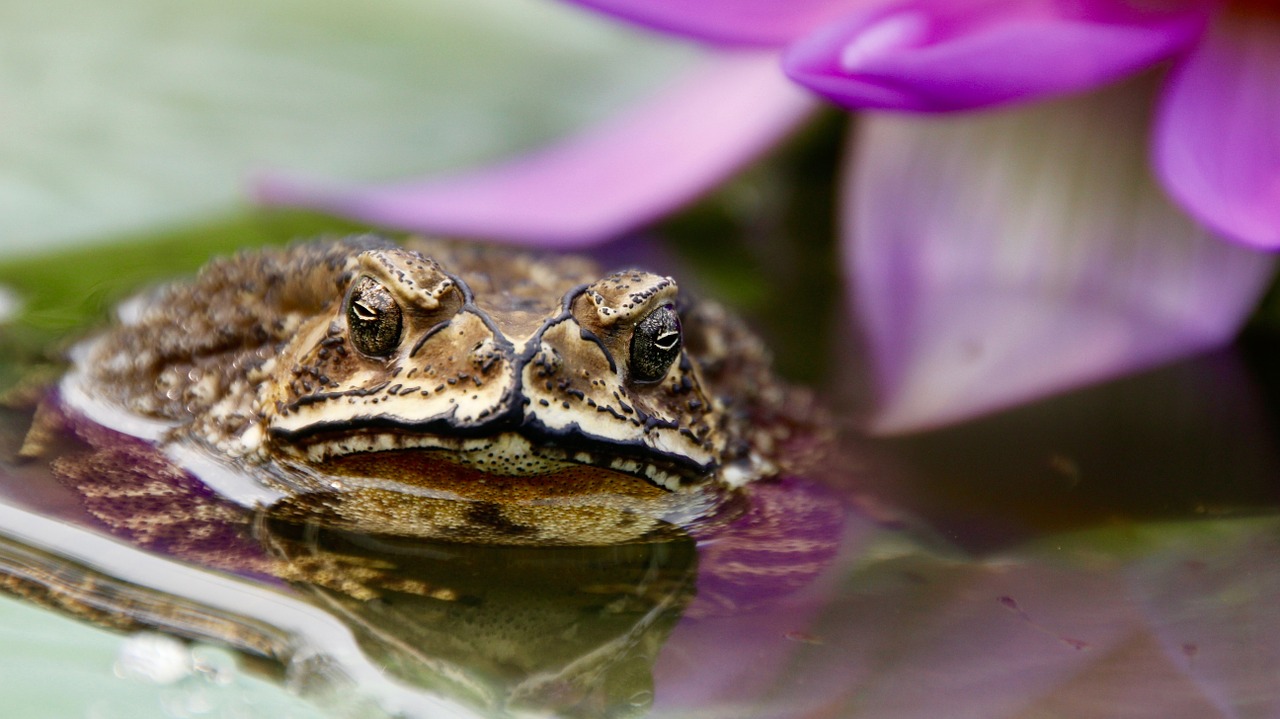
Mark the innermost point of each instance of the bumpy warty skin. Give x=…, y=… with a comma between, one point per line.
x=528, y=385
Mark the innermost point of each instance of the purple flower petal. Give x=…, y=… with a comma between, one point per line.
x=597, y=185
x=1217, y=141
x=939, y=55
x=1006, y=256
x=764, y=23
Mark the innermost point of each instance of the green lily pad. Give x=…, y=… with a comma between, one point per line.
x=136, y=114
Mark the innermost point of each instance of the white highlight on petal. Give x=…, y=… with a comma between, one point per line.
x=1001, y=257
x=885, y=35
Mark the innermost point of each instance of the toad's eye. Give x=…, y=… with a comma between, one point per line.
x=655, y=344
x=373, y=318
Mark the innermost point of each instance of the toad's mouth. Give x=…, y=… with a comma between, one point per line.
x=506, y=454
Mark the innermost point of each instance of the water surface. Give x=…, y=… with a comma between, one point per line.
x=1112, y=548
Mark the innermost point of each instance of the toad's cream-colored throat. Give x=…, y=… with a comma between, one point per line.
x=507, y=454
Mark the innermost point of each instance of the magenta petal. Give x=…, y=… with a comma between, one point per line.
x=939, y=55
x=1217, y=140
x=734, y=22
x=597, y=185
x=1001, y=257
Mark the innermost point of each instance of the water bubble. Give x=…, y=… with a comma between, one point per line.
x=154, y=658
x=215, y=665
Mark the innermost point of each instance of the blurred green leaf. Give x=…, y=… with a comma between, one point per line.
x=64, y=290
x=142, y=113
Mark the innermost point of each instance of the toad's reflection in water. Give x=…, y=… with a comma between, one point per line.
x=573, y=630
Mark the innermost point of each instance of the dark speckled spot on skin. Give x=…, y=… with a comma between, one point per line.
x=489, y=514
